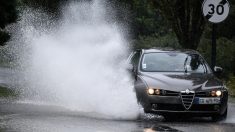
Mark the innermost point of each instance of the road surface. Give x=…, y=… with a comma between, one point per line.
x=24, y=117
x=18, y=116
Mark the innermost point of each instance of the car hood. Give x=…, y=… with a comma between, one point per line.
x=181, y=81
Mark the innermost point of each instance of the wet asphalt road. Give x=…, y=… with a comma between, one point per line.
x=26, y=117
x=23, y=117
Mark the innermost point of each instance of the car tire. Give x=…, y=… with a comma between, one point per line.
x=220, y=117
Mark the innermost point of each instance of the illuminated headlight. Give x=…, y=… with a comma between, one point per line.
x=150, y=91
x=218, y=93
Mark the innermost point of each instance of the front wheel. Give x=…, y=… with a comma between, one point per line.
x=220, y=117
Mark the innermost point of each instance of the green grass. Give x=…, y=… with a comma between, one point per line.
x=231, y=86
x=6, y=92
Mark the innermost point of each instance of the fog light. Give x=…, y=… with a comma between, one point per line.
x=150, y=91
x=157, y=92
x=218, y=93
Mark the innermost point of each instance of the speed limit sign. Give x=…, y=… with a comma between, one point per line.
x=215, y=10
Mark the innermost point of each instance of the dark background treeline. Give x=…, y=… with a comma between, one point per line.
x=153, y=23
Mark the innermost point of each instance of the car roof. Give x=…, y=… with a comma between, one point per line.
x=157, y=50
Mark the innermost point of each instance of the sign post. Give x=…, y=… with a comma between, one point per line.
x=213, y=46
x=215, y=11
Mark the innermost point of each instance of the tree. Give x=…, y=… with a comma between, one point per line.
x=8, y=14
x=49, y=5
x=145, y=19
x=227, y=28
x=186, y=19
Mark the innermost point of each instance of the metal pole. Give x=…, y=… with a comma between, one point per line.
x=213, y=47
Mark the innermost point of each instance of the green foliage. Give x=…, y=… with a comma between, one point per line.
x=225, y=54
x=8, y=14
x=4, y=37
x=146, y=19
x=227, y=28
x=168, y=40
x=231, y=86
x=185, y=18
x=50, y=5
x=6, y=92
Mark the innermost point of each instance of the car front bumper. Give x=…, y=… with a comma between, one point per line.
x=173, y=104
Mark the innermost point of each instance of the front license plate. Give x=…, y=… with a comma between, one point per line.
x=208, y=100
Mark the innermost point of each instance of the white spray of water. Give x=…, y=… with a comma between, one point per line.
x=78, y=63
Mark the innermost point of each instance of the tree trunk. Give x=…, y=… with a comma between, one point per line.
x=186, y=19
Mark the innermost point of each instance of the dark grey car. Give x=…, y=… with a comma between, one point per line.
x=174, y=82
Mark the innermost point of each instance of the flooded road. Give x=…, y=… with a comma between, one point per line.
x=22, y=116
x=78, y=61
x=26, y=117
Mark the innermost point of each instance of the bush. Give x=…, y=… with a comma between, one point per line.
x=6, y=92
x=231, y=86
x=168, y=40
x=225, y=54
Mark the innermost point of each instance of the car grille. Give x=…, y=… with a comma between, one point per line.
x=174, y=93
x=202, y=94
x=173, y=107
x=170, y=93
x=187, y=99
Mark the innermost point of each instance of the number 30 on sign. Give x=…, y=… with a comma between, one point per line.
x=215, y=11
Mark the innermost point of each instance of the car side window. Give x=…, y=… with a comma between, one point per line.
x=135, y=59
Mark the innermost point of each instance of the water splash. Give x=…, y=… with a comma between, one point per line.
x=76, y=62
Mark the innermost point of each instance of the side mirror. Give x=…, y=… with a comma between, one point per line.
x=132, y=69
x=218, y=70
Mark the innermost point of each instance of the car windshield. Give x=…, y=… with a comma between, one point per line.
x=172, y=62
